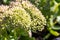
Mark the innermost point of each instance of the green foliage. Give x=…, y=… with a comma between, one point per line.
x=6, y=1
x=58, y=1
x=26, y=38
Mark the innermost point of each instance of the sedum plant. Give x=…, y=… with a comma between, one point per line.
x=19, y=19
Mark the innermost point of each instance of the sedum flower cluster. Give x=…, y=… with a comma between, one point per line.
x=37, y=19
x=11, y=20
x=14, y=17
x=24, y=15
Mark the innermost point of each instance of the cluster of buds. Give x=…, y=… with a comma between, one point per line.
x=38, y=20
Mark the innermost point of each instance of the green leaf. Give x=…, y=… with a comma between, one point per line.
x=26, y=38
x=55, y=33
x=56, y=27
x=58, y=1
x=6, y=1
